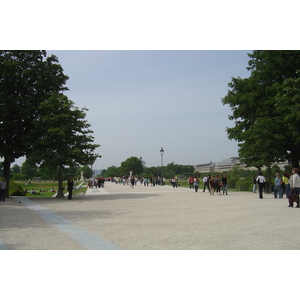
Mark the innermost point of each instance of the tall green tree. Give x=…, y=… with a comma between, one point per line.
x=29, y=169
x=26, y=79
x=133, y=164
x=112, y=171
x=16, y=168
x=48, y=172
x=87, y=171
x=64, y=136
x=261, y=125
x=287, y=101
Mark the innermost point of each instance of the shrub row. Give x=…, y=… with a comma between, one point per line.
x=15, y=189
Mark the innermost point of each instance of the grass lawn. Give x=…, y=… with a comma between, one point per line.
x=47, y=186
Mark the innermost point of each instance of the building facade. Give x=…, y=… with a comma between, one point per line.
x=227, y=165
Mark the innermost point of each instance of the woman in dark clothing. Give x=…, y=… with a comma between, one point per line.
x=2, y=189
x=224, y=182
x=70, y=187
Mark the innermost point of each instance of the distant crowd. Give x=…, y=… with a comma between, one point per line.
x=288, y=184
x=131, y=181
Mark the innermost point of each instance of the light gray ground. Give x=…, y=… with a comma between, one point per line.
x=149, y=218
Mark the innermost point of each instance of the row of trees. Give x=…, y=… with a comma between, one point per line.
x=37, y=120
x=138, y=168
x=265, y=108
x=238, y=178
x=29, y=171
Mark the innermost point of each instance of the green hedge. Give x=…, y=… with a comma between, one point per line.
x=15, y=189
x=231, y=182
x=244, y=184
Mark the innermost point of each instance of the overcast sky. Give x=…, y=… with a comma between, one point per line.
x=140, y=101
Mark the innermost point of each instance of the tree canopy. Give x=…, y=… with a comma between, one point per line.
x=139, y=169
x=26, y=79
x=64, y=136
x=37, y=120
x=264, y=107
x=133, y=164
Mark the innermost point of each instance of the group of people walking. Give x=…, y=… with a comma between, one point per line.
x=133, y=180
x=96, y=182
x=213, y=183
x=286, y=184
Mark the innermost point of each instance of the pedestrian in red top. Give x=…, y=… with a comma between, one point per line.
x=191, y=182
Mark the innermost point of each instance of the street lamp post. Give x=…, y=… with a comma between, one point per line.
x=162, y=151
x=141, y=160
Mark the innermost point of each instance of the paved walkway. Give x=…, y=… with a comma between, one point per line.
x=119, y=217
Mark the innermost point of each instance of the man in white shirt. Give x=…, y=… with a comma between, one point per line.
x=295, y=183
x=261, y=183
x=205, y=183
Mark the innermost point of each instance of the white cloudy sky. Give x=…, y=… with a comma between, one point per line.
x=140, y=101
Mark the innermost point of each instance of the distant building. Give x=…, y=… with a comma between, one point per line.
x=227, y=164
x=224, y=165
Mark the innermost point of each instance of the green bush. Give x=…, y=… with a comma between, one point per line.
x=18, y=176
x=15, y=189
x=244, y=184
x=231, y=182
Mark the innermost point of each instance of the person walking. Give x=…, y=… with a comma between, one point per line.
x=70, y=186
x=218, y=184
x=277, y=186
x=176, y=182
x=146, y=182
x=2, y=189
x=286, y=184
x=254, y=183
x=205, y=183
x=211, y=183
x=196, y=183
x=102, y=181
x=132, y=182
x=191, y=182
x=225, y=187
x=295, y=184
x=261, y=183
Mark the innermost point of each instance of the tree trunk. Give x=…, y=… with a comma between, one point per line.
x=6, y=175
x=269, y=179
x=60, y=193
x=295, y=160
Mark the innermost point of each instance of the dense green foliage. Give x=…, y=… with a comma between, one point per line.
x=26, y=79
x=15, y=189
x=265, y=108
x=139, y=169
x=37, y=120
x=65, y=137
x=46, y=173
